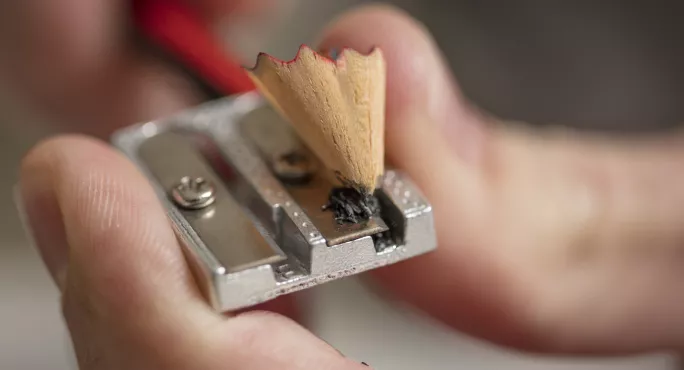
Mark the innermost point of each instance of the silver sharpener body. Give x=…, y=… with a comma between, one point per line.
x=245, y=198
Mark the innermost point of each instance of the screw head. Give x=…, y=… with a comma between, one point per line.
x=193, y=193
x=293, y=167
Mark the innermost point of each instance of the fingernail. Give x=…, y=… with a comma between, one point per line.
x=45, y=233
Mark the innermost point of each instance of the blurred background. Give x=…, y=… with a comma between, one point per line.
x=605, y=65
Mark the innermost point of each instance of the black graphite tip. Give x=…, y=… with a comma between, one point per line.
x=351, y=206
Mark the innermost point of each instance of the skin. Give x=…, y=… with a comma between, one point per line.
x=549, y=241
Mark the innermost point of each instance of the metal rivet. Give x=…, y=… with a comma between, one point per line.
x=193, y=193
x=293, y=167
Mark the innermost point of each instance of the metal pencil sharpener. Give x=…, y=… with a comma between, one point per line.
x=245, y=197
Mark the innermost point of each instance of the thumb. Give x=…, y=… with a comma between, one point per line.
x=128, y=297
x=548, y=240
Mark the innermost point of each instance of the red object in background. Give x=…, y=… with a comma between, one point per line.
x=182, y=33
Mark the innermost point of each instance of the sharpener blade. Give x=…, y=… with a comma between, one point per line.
x=245, y=198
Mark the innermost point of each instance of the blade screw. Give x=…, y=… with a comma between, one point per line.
x=193, y=193
x=293, y=167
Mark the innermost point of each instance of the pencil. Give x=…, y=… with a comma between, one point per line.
x=336, y=106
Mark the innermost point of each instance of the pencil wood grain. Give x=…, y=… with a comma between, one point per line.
x=336, y=106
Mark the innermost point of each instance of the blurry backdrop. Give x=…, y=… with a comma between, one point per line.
x=609, y=65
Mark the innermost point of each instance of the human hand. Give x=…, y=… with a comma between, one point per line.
x=79, y=64
x=549, y=241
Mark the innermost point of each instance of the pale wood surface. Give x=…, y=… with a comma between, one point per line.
x=336, y=107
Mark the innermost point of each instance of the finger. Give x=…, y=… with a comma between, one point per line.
x=547, y=240
x=418, y=82
x=93, y=80
x=50, y=52
x=128, y=297
x=78, y=63
x=74, y=61
x=423, y=104
x=119, y=266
